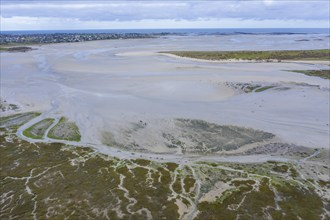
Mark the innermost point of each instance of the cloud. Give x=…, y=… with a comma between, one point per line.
x=185, y=10
x=188, y=11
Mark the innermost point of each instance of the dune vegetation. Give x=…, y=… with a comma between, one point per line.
x=256, y=55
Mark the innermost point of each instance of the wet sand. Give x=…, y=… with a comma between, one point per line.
x=108, y=87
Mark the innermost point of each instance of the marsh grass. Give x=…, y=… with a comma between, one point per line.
x=256, y=55
x=325, y=74
x=15, y=49
x=264, y=88
x=38, y=130
x=17, y=120
x=65, y=130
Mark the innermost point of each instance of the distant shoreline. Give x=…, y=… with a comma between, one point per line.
x=7, y=39
x=66, y=36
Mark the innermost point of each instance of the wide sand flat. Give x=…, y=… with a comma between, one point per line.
x=110, y=87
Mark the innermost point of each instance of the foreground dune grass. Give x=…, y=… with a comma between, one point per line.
x=57, y=181
x=320, y=73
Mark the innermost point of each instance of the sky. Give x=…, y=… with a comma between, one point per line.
x=153, y=14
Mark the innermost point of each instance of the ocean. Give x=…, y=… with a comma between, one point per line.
x=218, y=31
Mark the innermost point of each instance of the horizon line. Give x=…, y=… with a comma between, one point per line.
x=159, y=29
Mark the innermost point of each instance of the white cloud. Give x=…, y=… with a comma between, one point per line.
x=43, y=23
x=269, y=2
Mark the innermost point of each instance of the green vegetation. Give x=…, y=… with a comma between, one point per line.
x=242, y=201
x=65, y=181
x=256, y=55
x=189, y=183
x=65, y=130
x=153, y=196
x=210, y=137
x=37, y=131
x=298, y=203
x=141, y=162
x=281, y=168
x=177, y=186
x=171, y=166
x=4, y=49
x=258, y=193
x=17, y=120
x=15, y=49
x=57, y=181
x=325, y=74
x=264, y=88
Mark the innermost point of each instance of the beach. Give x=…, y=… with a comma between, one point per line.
x=108, y=86
x=110, y=127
